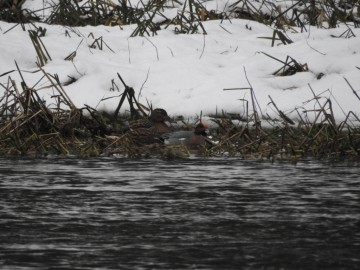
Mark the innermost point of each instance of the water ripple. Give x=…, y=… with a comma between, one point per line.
x=113, y=213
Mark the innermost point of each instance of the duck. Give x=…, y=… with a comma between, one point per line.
x=192, y=139
x=149, y=130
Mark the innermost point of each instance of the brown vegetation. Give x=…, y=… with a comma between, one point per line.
x=28, y=126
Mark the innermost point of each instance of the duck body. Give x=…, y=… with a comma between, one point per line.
x=177, y=137
x=150, y=129
x=192, y=139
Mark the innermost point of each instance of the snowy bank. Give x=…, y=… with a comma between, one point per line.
x=186, y=74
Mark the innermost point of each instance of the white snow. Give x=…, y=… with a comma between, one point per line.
x=186, y=74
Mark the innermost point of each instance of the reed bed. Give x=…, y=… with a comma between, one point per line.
x=189, y=20
x=29, y=126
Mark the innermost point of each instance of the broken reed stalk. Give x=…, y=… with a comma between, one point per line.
x=352, y=88
x=39, y=48
x=281, y=114
x=281, y=36
x=291, y=66
x=98, y=44
x=128, y=93
x=59, y=88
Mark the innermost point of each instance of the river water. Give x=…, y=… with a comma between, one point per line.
x=111, y=213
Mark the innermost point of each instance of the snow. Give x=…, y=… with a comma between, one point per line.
x=187, y=74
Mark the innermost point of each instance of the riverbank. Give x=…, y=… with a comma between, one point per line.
x=270, y=83
x=28, y=127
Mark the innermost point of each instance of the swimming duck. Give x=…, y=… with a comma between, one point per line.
x=192, y=139
x=149, y=130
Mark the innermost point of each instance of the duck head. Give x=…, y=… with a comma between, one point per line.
x=201, y=129
x=160, y=116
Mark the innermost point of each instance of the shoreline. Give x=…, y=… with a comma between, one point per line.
x=281, y=142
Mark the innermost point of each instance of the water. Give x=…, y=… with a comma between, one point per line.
x=111, y=213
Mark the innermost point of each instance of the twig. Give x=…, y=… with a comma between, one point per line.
x=142, y=86
x=129, y=51
x=353, y=90
x=58, y=88
x=157, y=53
x=253, y=98
x=171, y=51
x=281, y=113
x=203, y=49
x=11, y=28
x=313, y=48
x=225, y=29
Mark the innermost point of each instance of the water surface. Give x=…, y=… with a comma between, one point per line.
x=111, y=213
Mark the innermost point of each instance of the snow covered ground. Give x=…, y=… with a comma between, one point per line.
x=186, y=74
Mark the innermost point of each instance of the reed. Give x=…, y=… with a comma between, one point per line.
x=300, y=14
x=41, y=51
x=29, y=127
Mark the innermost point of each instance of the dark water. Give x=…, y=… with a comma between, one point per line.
x=194, y=214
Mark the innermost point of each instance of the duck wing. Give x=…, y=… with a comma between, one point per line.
x=142, y=123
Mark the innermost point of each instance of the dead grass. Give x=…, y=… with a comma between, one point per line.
x=28, y=126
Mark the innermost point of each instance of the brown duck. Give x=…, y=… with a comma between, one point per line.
x=149, y=130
